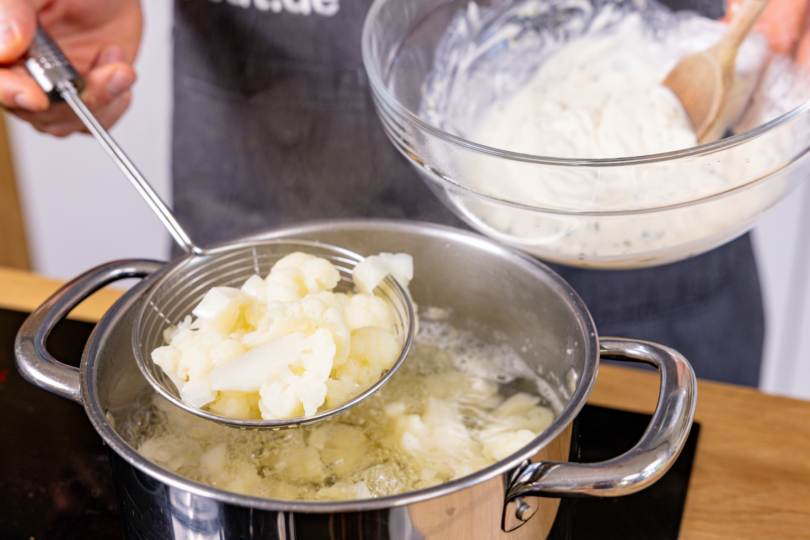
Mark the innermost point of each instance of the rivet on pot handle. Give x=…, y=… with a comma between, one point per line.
x=637, y=468
x=34, y=362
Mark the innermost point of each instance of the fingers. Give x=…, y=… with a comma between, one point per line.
x=19, y=91
x=107, y=95
x=110, y=77
x=68, y=123
x=803, y=48
x=18, y=22
x=781, y=22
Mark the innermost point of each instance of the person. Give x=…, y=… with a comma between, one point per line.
x=273, y=123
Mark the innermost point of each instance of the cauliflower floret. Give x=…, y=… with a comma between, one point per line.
x=245, y=479
x=283, y=285
x=515, y=423
x=237, y=476
x=161, y=450
x=303, y=463
x=506, y=443
x=256, y=288
x=424, y=436
x=373, y=350
x=343, y=448
x=253, y=315
x=372, y=270
x=274, y=347
x=241, y=405
x=317, y=311
x=523, y=411
x=367, y=310
x=339, y=392
x=305, y=274
x=220, y=308
x=192, y=354
x=170, y=332
x=292, y=353
x=214, y=460
x=197, y=392
x=292, y=397
x=168, y=358
x=289, y=373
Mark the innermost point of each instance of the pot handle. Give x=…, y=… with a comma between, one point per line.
x=637, y=468
x=34, y=362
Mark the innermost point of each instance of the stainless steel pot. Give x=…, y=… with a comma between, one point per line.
x=506, y=297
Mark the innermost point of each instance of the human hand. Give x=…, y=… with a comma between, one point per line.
x=99, y=37
x=786, y=24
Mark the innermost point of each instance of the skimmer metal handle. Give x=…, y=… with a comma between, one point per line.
x=48, y=66
x=54, y=73
x=42, y=61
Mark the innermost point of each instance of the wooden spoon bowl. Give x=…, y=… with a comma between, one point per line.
x=703, y=81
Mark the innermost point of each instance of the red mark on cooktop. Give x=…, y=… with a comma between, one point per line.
x=3, y=375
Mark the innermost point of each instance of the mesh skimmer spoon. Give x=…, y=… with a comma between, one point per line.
x=184, y=283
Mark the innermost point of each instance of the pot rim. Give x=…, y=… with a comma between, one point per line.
x=130, y=301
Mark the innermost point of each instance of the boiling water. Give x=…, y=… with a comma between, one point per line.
x=447, y=413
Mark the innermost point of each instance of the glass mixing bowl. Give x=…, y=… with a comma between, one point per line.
x=589, y=225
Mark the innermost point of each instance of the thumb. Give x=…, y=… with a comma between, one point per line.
x=18, y=22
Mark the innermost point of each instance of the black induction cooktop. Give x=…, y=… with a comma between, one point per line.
x=55, y=478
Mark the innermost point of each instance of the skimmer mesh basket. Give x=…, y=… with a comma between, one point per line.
x=176, y=293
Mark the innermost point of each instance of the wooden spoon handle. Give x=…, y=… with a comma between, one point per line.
x=739, y=28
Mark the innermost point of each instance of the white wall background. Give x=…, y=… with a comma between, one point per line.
x=80, y=210
x=782, y=245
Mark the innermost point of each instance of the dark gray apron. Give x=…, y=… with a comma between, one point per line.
x=274, y=124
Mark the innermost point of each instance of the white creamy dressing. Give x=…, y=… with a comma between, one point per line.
x=597, y=97
x=597, y=94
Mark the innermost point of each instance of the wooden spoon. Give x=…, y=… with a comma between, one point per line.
x=703, y=81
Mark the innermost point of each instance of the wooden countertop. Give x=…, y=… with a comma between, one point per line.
x=751, y=475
